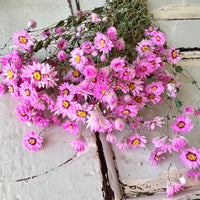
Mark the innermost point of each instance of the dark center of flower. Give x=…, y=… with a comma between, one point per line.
x=70, y=126
x=191, y=156
x=76, y=73
x=145, y=48
x=103, y=92
x=22, y=113
x=143, y=69
x=131, y=86
x=136, y=142
x=88, y=47
x=151, y=96
x=10, y=74
x=119, y=87
x=32, y=141
x=138, y=99
x=181, y=124
x=154, y=88
x=94, y=80
x=158, y=38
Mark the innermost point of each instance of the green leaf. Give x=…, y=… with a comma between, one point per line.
x=178, y=103
x=60, y=23
x=38, y=46
x=178, y=69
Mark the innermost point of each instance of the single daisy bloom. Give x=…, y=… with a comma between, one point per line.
x=117, y=64
x=150, y=31
x=41, y=121
x=154, y=98
x=158, y=38
x=163, y=143
x=122, y=144
x=24, y=40
x=154, y=60
x=173, y=187
x=144, y=47
x=90, y=71
x=136, y=123
x=78, y=60
x=9, y=73
x=102, y=43
x=143, y=69
x=140, y=100
x=189, y=110
x=66, y=89
x=193, y=173
x=23, y=113
x=87, y=47
x=112, y=33
x=119, y=124
x=173, y=55
x=155, y=87
x=62, y=44
x=136, y=141
x=70, y=127
x=125, y=111
x=32, y=141
x=119, y=44
x=80, y=144
x=110, y=137
x=157, y=121
x=179, y=142
x=182, y=124
x=14, y=90
x=156, y=156
x=135, y=86
x=27, y=91
x=190, y=157
x=101, y=91
x=127, y=74
x=32, y=24
x=95, y=18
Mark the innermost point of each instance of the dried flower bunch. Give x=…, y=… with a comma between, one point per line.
x=103, y=69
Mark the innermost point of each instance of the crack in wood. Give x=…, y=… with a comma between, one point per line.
x=188, y=49
x=70, y=6
x=78, y=7
x=42, y=174
x=107, y=191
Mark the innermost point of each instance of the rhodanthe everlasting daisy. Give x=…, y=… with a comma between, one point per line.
x=158, y=38
x=173, y=187
x=117, y=64
x=143, y=69
x=87, y=47
x=95, y=18
x=150, y=31
x=163, y=143
x=70, y=127
x=173, y=55
x=136, y=141
x=24, y=40
x=125, y=111
x=62, y=44
x=179, y=142
x=10, y=74
x=41, y=121
x=119, y=44
x=156, y=156
x=157, y=121
x=32, y=141
x=144, y=47
x=110, y=137
x=194, y=173
x=182, y=124
x=190, y=157
x=155, y=87
x=135, y=86
x=80, y=144
x=112, y=33
x=23, y=113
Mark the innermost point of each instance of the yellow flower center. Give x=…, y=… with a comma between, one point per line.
x=88, y=47
x=174, y=54
x=65, y=92
x=23, y=114
x=32, y=141
x=119, y=87
x=150, y=30
x=78, y=58
x=76, y=73
x=145, y=48
x=154, y=88
x=65, y=104
x=138, y=99
x=126, y=112
x=81, y=113
x=131, y=86
x=11, y=88
x=181, y=124
x=171, y=81
x=191, y=156
x=37, y=76
x=157, y=156
x=136, y=142
x=143, y=69
x=158, y=38
x=70, y=126
x=94, y=80
x=103, y=92
x=153, y=62
x=102, y=43
x=23, y=40
x=10, y=74
x=152, y=96
x=136, y=124
x=27, y=92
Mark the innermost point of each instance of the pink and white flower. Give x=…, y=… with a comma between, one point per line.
x=173, y=55
x=70, y=127
x=156, y=156
x=158, y=38
x=136, y=141
x=173, y=187
x=80, y=144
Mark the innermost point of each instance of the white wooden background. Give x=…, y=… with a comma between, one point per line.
x=55, y=172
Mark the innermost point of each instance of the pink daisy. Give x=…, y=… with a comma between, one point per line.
x=41, y=121
x=190, y=157
x=62, y=55
x=154, y=98
x=125, y=111
x=111, y=138
x=143, y=69
x=117, y=64
x=135, y=86
x=155, y=87
x=41, y=75
x=49, y=101
x=90, y=71
x=23, y=113
x=46, y=34
x=144, y=47
x=74, y=76
x=122, y=144
x=95, y=18
x=127, y=74
x=163, y=143
x=156, y=156
x=136, y=141
x=119, y=124
x=24, y=40
x=62, y=44
x=101, y=91
x=140, y=100
x=10, y=74
x=182, y=124
x=87, y=47
x=27, y=91
x=112, y=100
x=55, y=120
x=158, y=38
x=173, y=187
x=119, y=44
x=179, y=143
x=60, y=30
x=32, y=24
x=136, y=123
x=78, y=60
x=189, y=110
x=112, y=33
x=150, y=31
x=157, y=121
x=193, y=173
x=32, y=141
x=66, y=89
x=173, y=55
x=154, y=61
x=80, y=144
x=70, y=127
x=102, y=43
x=14, y=90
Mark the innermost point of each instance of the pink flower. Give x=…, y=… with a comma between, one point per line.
x=155, y=88
x=144, y=47
x=156, y=156
x=135, y=86
x=110, y=137
x=173, y=187
x=80, y=144
x=62, y=44
x=77, y=60
x=127, y=74
x=87, y=47
x=46, y=34
x=101, y=91
x=119, y=44
x=143, y=69
x=157, y=121
x=119, y=124
x=189, y=110
x=194, y=173
x=32, y=141
x=95, y=18
x=32, y=24
x=55, y=120
x=23, y=113
x=158, y=38
x=150, y=31
x=41, y=121
x=102, y=43
x=90, y=71
x=140, y=100
x=112, y=33
x=24, y=40
x=122, y=144
x=190, y=157
x=182, y=124
x=179, y=142
x=154, y=98
x=28, y=92
x=163, y=143
x=117, y=64
x=111, y=99
x=136, y=123
x=172, y=55
x=60, y=30
x=136, y=141
x=10, y=74
x=125, y=111
x=62, y=55
x=2, y=88
x=70, y=127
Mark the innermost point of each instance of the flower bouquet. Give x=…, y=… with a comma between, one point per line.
x=102, y=70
